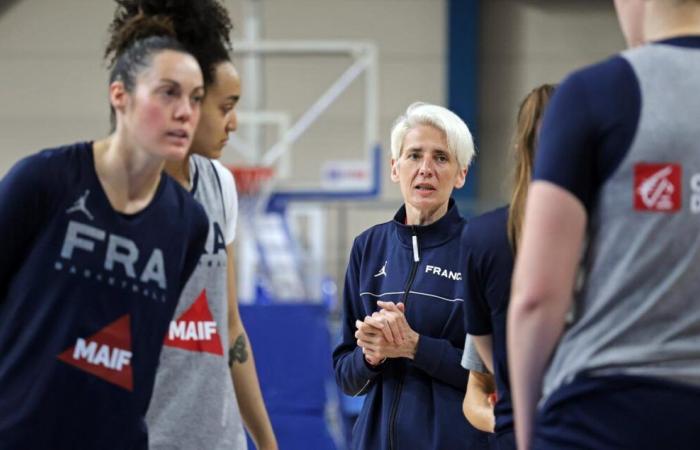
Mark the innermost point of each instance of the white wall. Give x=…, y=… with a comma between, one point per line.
x=526, y=43
x=52, y=83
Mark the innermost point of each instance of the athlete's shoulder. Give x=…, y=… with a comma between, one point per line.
x=211, y=166
x=224, y=174
x=496, y=218
x=601, y=79
x=61, y=158
x=51, y=169
x=215, y=174
x=65, y=153
x=489, y=231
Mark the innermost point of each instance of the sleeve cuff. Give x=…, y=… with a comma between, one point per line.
x=429, y=353
x=478, y=329
x=368, y=370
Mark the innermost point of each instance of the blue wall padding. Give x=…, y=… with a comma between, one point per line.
x=293, y=357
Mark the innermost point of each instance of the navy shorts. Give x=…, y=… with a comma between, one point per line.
x=620, y=412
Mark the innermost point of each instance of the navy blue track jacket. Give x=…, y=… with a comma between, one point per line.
x=410, y=404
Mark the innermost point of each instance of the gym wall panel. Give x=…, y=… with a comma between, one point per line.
x=32, y=134
x=525, y=43
x=398, y=26
x=58, y=27
x=52, y=81
x=53, y=86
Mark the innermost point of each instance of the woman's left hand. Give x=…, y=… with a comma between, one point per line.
x=391, y=315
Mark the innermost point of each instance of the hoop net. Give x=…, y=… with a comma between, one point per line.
x=250, y=179
x=254, y=185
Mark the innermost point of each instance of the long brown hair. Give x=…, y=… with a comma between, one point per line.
x=529, y=117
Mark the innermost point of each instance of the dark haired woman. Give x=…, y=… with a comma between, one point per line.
x=492, y=241
x=194, y=404
x=98, y=246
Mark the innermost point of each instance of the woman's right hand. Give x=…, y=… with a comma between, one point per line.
x=386, y=334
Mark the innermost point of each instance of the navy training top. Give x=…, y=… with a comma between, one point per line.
x=488, y=273
x=86, y=295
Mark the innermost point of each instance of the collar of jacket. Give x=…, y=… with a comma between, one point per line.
x=433, y=235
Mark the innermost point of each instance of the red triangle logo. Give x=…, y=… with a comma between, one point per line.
x=196, y=329
x=105, y=354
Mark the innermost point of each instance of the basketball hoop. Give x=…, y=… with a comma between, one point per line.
x=249, y=179
x=254, y=186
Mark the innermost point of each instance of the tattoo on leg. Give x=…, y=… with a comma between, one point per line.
x=239, y=351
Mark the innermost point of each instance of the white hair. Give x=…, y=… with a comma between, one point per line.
x=459, y=138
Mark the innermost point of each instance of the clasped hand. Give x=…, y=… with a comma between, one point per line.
x=386, y=334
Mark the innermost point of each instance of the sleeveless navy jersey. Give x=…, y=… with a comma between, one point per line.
x=488, y=272
x=86, y=295
x=622, y=136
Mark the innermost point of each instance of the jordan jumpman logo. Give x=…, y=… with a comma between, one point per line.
x=81, y=205
x=382, y=271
